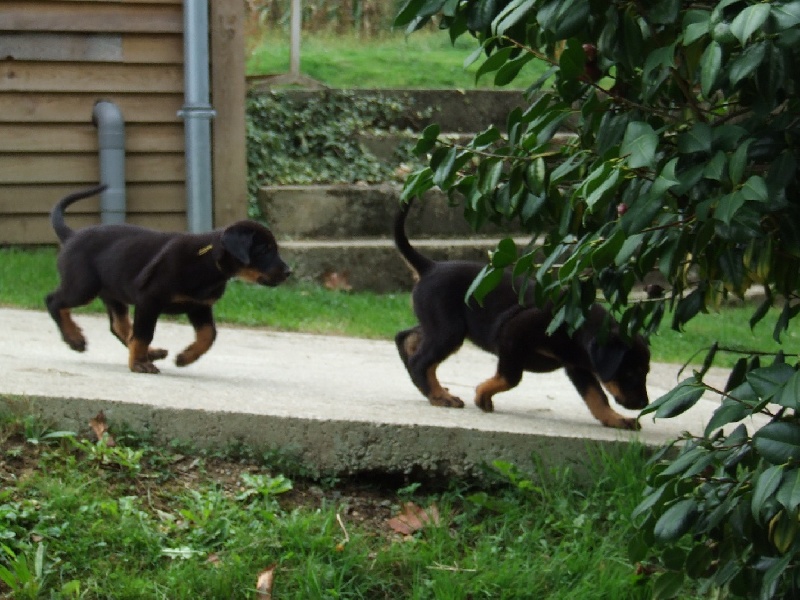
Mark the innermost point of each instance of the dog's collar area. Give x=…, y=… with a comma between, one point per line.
x=205, y=250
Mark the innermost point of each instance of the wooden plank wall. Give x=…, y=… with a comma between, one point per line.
x=59, y=57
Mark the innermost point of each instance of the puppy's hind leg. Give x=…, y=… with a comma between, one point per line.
x=122, y=329
x=423, y=363
x=506, y=378
x=59, y=305
x=202, y=319
x=407, y=342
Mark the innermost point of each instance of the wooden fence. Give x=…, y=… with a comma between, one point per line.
x=58, y=58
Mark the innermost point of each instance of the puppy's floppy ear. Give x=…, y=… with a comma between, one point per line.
x=237, y=242
x=607, y=357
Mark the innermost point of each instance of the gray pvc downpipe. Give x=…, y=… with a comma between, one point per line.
x=107, y=117
x=197, y=114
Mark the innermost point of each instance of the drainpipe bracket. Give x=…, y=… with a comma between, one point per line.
x=197, y=112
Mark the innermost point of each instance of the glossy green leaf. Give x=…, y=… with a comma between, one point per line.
x=768, y=381
x=766, y=486
x=505, y=254
x=678, y=400
x=755, y=189
x=738, y=162
x=668, y=585
x=710, y=67
x=730, y=411
x=778, y=442
x=789, y=394
x=514, y=12
x=747, y=63
x=639, y=144
x=749, y=20
x=728, y=206
x=676, y=521
x=480, y=14
x=485, y=282
x=697, y=139
x=786, y=14
x=789, y=493
x=494, y=62
x=607, y=251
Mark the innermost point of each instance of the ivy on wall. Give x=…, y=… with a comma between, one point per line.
x=315, y=139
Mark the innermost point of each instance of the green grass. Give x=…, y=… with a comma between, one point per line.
x=26, y=276
x=422, y=60
x=135, y=521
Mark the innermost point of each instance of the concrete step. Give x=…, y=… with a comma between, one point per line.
x=373, y=264
x=453, y=110
x=345, y=211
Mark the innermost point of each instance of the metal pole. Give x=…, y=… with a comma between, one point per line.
x=294, y=47
x=197, y=114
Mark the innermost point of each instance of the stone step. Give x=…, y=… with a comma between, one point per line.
x=453, y=110
x=374, y=264
x=345, y=211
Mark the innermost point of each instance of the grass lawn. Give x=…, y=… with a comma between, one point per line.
x=85, y=520
x=421, y=60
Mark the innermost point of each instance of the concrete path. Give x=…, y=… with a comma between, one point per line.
x=341, y=404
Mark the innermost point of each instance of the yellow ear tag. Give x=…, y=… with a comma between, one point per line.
x=204, y=250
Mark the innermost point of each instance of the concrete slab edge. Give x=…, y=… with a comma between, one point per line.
x=338, y=447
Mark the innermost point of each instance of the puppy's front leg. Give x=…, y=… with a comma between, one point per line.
x=202, y=319
x=597, y=401
x=144, y=326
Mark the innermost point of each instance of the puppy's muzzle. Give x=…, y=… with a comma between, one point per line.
x=274, y=276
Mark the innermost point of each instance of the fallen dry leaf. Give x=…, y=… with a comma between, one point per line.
x=264, y=583
x=413, y=518
x=100, y=427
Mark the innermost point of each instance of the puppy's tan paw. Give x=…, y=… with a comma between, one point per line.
x=484, y=403
x=79, y=345
x=156, y=354
x=185, y=358
x=144, y=367
x=620, y=422
x=446, y=400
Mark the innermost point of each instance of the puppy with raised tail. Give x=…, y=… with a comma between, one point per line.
x=156, y=273
x=516, y=334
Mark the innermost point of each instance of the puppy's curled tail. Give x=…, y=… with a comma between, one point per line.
x=419, y=263
x=63, y=231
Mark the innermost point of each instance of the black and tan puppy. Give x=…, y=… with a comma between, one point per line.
x=516, y=334
x=158, y=273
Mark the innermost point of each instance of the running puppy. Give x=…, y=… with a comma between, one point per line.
x=158, y=273
x=516, y=334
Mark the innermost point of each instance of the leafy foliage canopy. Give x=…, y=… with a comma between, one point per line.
x=664, y=138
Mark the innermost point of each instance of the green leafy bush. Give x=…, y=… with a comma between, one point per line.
x=681, y=158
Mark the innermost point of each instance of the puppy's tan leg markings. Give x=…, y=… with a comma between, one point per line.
x=204, y=338
x=598, y=405
x=70, y=331
x=438, y=395
x=411, y=344
x=122, y=328
x=486, y=391
x=615, y=390
x=138, y=361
